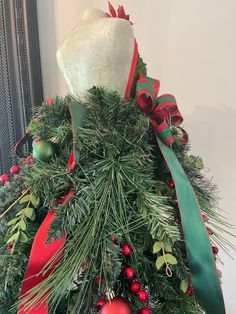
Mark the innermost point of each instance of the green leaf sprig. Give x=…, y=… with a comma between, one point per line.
x=166, y=258
x=18, y=225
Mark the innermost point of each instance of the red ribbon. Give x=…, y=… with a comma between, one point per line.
x=163, y=110
x=41, y=254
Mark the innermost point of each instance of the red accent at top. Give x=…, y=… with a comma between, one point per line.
x=119, y=14
x=132, y=71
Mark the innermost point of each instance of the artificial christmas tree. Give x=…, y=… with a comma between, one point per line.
x=109, y=213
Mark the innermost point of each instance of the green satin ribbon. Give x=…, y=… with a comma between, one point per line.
x=78, y=114
x=201, y=261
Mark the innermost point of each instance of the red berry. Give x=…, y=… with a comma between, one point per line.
x=98, y=280
x=145, y=310
x=215, y=250
x=9, y=247
x=36, y=140
x=135, y=286
x=172, y=185
x=29, y=160
x=4, y=178
x=189, y=292
x=129, y=272
x=142, y=295
x=114, y=239
x=101, y=302
x=219, y=273
x=126, y=249
x=49, y=102
x=15, y=169
x=205, y=217
x=209, y=231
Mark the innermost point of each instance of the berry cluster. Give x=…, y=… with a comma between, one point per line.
x=135, y=286
x=215, y=249
x=4, y=178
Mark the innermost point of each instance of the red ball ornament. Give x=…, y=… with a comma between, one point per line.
x=135, y=286
x=189, y=292
x=116, y=306
x=101, y=302
x=4, y=178
x=142, y=295
x=15, y=169
x=129, y=272
x=215, y=250
x=145, y=310
x=172, y=185
x=126, y=249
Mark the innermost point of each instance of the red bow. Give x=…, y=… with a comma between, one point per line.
x=163, y=110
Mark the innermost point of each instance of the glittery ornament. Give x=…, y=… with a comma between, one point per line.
x=116, y=306
x=43, y=150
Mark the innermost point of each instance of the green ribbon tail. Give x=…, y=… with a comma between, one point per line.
x=78, y=114
x=201, y=260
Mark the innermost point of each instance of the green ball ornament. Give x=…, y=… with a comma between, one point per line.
x=43, y=150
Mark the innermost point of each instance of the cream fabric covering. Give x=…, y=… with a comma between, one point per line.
x=98, y=52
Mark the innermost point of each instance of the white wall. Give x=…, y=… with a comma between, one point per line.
x=190, y=46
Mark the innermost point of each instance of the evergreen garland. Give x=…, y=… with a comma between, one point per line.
x=121, y=191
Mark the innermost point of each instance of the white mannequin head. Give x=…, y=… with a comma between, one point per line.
x=98, y=52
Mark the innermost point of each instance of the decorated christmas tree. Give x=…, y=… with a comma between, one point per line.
x=109, y=213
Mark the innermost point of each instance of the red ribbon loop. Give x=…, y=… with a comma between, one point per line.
x=163, y=110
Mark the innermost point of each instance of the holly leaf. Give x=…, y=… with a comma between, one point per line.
x=170, y=259
x=14, y=237
x=160, y=262
x=157, y=247
x=184, y=285
x=28, y=211
x=25, y=199
x=12, y=222
x=23, y=237
x=34, y=200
